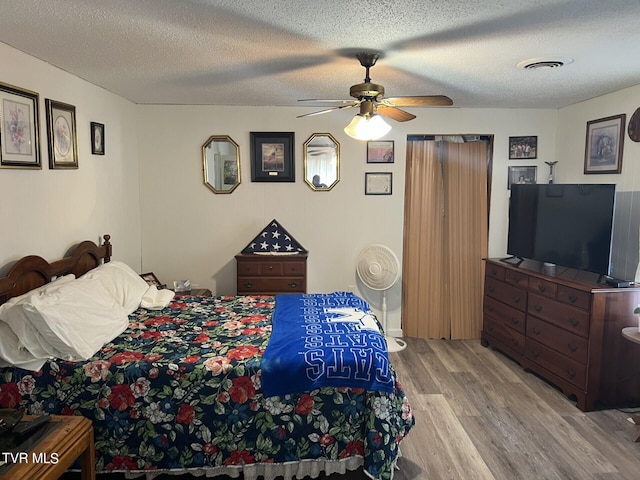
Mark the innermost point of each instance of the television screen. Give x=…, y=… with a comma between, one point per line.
x=569, y=225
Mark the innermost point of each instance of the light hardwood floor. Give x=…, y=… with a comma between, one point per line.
x=479, y=415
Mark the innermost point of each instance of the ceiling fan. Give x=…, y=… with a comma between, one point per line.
x=370, y=97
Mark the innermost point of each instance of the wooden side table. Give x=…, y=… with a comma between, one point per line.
x=72, y=438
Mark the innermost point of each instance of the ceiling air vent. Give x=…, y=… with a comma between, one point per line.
x=535, y=63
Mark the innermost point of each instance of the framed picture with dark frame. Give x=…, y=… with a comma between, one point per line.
x=61, y=133
x=97, y=138
x=272, y=157
x=604, y=143
x=523, y=148
x=19, y=128
x=380, y=151
x=378, y=183
x=151, y=279
x=522, y=175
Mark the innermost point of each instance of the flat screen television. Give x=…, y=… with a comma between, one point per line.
x=568, y=225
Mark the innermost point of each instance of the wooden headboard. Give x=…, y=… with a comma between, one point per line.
x=33, y=271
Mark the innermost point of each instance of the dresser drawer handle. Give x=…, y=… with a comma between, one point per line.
x=537, y=307
x=572, y=347
x=494, y=272
x=515, y=321
x=270, y=267
x=573, y=298
x=516, y=280
x=293, y=284
x=541, y=288
x=535, y=353
x=536, y=330
x=514, y=341
x=248, y=285
x=491, y=288
x=571, y=373
x=490, y=308
x=516, y=299
x=574, y=322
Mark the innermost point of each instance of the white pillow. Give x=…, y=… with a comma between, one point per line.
x=12, y=353
x=77, y=319
x=122, y=283
x=13, y=315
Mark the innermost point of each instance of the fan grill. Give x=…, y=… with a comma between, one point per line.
x=378, y=267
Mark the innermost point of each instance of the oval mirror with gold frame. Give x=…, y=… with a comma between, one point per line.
x=221, y=164
x=321, y=162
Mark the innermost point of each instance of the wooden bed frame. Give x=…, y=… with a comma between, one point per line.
x=33, y=271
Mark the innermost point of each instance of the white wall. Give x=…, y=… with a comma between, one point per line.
x=190, y=232
x=572, y=128
x=47, y=211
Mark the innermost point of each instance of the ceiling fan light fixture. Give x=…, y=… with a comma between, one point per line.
x=367, y=127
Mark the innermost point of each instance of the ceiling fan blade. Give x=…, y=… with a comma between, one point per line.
x=394, y=113
x=333, y=109
x=324, y=100
x=419, y=101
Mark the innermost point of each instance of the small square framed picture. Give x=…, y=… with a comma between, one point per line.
x=523, y=148
x=151, y=279
x=378, y=183
x=380, y=151
x=97, y=138
x=522, y=175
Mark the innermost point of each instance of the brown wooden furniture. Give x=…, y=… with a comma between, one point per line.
x=566, y=328
x=72, y=438
x=33, y=271
x=199, y=292
x=271, y=274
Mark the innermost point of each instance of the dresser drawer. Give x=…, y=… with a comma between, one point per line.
x=269, y=285
x=508, y=294
x=577, y=298
x=567, y=343
x=494, y=271
x=567, y=369
x=543, y=287
x=509, y=316
x=507, y=336
x=517, y=279
x=559, y=314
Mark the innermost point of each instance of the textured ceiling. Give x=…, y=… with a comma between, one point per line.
x=274, y=52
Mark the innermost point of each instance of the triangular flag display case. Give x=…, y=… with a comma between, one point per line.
x=273, y=238
x=273, y=262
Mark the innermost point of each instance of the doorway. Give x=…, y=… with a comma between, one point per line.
x=446, y=229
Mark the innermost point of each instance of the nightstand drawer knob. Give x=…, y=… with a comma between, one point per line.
x=248, y=285
x=293, y=284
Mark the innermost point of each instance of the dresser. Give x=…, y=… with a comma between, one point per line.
x=566, y=328
x=270, y=274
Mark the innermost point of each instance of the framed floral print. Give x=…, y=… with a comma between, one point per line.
x=61, y=132
x=19, y=128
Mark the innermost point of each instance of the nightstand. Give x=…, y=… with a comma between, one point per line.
x=198, y=292
x=67, y=439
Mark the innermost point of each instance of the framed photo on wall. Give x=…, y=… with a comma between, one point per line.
x=603, y=149
x=97, y=138
x=523, y=148
x=61, y=132
x=272, y=158
x=19, y=128
x=380, y=151
x=378, y=183
x=522, y=175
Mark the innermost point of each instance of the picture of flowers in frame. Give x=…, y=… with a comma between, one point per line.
x=61, y=133
x=272, y=157
x=97, y=138
x=19, y=128
x=604, y=143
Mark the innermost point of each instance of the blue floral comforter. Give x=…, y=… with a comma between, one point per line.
x=180, y=389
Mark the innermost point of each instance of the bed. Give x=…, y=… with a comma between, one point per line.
x=180, y=390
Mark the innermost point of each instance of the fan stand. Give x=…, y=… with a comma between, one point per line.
x=393, y=344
